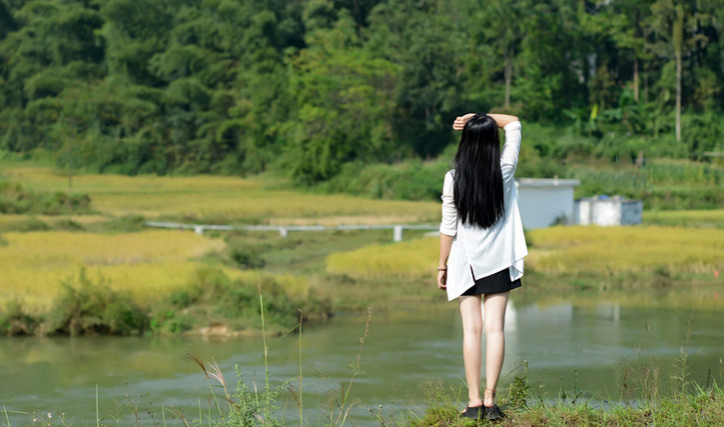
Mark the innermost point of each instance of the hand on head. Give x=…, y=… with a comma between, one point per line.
x=460, y=121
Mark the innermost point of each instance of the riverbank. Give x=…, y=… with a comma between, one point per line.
x=704, y=407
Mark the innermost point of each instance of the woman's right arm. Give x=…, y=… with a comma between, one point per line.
x=503, y=120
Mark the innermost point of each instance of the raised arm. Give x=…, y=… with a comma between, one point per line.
x=500, y=119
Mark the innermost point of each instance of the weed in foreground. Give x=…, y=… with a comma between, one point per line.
x=253, y=407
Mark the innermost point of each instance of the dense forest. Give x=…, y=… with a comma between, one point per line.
x=308, y=87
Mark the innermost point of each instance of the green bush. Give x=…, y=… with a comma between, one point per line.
x=15, y=199
x=245, y=257
x=32, y=224
x=87, y=307
x=15, y=321
x=238, y=301
x=126, y=224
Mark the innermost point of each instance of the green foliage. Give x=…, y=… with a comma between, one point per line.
x=14, y=199
x=411, y=180
x=126, y=224
x=313, y=89
x=212, y=292
x=14, y=320
x=32, y=224
x=245, y=257
x=519, y=389
x=661, y=184
x=92, y=307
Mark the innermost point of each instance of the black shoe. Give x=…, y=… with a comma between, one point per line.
x=474, y=413
x=494, y=413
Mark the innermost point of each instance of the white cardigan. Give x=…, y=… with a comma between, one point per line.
x=486, y=251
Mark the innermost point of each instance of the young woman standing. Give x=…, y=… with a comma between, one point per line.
x=482, y=246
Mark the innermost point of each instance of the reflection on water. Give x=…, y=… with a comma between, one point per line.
x=590, y=340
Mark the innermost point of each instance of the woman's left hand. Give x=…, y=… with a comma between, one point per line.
x=442, y=280
x=460, y=121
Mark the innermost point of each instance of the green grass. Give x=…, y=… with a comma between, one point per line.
x=701, y=408
x=692, y=218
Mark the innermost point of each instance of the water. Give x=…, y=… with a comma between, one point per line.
x=589, y=345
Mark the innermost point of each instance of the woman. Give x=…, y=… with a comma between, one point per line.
x=482, y=246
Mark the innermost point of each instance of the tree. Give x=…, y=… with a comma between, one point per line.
x=676, y=24
x=345, y=102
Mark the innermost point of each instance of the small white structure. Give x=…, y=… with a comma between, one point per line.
x=545, y=202
x=607, y=211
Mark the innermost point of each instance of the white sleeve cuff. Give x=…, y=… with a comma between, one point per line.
x=513, y=126
x=448, y=231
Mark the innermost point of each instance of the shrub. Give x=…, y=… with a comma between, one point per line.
x=245, y=257
x=15, y=199
x=32, y=224
x=126, y=224
x=238, y=300
x=87, y=307
x=15, y=321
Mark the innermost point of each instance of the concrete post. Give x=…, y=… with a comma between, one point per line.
x=397, y=233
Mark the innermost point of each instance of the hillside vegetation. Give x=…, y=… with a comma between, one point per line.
x=313, y=89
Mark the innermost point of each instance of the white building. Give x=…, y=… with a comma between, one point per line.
x=606, y=211
x=545, y=202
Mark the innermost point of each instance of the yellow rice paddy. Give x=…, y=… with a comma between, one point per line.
x=146, y=264
x=608, y=250
x=215, y=197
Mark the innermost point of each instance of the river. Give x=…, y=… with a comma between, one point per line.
x=588, y=346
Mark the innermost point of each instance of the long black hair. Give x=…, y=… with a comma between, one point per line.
x=478, y=185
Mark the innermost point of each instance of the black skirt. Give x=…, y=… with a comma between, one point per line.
x=496, y=282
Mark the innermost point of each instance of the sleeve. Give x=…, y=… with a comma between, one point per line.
x=511, y=149
x=449, y=222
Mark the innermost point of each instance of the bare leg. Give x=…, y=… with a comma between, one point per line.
x=472, y=350
x=495, y=342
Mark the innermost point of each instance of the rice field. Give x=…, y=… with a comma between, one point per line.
x=614, y=250
x=146, y=264
x=409, y=259
x=604, y=250
x=692, y=218
x=217, y=199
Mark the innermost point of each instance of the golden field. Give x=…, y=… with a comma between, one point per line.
x=145, y=264
x=217, y=198
x=607, y=250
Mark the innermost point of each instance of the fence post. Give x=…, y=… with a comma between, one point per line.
x=397, y=233
x=283, y=232
x=199, y=229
